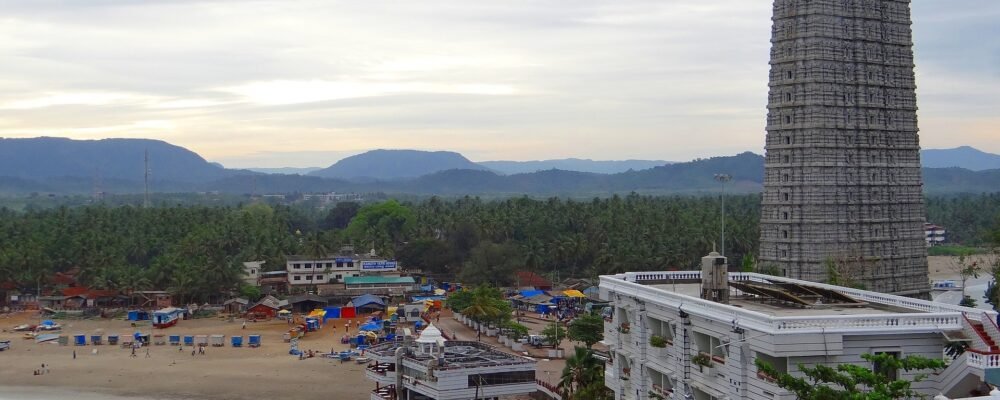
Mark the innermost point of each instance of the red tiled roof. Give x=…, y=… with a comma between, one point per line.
x=528, y=278
x=88, y=293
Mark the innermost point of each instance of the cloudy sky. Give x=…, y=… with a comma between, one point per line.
x=304, y=83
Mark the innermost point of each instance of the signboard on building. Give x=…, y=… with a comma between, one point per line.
x=372, y=265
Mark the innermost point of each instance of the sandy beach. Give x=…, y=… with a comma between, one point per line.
x=222, y=373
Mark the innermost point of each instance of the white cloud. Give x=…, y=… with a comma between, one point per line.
x=294, y=92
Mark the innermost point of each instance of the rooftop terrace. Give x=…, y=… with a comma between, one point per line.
x=457, y=354
x=781, y=305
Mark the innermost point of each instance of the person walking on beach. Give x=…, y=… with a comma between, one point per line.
x=74, y=354
x=147, y=352
x=133, y=351
x=244, y=324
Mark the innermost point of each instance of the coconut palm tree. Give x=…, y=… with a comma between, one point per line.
x=581, y=373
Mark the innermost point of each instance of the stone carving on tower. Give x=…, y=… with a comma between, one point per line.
x=842, y=183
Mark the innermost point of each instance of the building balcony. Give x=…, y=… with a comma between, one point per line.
x=382, y=373
x=384, y=393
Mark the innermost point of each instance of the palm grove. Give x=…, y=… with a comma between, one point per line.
x=197, y=251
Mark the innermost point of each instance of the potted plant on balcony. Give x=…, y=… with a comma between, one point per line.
x=657, y=341
x=623, y=328
x=626, y=373
x=704, y=363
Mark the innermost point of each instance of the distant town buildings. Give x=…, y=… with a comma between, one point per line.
x=842, y=171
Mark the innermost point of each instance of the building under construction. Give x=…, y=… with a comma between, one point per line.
x=842, y=189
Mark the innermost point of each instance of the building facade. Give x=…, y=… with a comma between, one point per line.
x=842, y=182
x=711, y=328
x=303, y=270
x=934, y=234
x=432, y=368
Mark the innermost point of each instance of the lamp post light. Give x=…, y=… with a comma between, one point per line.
x=723, y=179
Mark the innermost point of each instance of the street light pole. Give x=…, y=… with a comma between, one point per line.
x=723, y=179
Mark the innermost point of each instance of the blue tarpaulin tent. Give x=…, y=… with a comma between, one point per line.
x=427, y=288
x=425, y=298
x=531, y=293
x=331, y=313
x=366, y=300
x=374, y=326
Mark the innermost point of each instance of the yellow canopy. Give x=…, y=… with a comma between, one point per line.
x=573, y=293
x=439, y=291
x=391, y=310
x=317, y=313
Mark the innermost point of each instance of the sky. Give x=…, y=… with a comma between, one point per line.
x=304, y=83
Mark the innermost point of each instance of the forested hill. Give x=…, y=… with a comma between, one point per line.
x=395, y=164
x=47, y=158
x=64, y=166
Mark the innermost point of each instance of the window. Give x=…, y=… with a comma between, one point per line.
x=786, y=159
x=784, y=254
x=788, y=119
x=309, y=277
x=308, y=265
x=788, y=97
x=784, y=215
x=339, y=276
x=319, y=277
x=784, y=234
x=296, y=265
x=784, y=177
x=788, y=74
x=297, y=278
x=788, y=140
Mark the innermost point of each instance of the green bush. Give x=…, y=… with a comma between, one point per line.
x=657, y=341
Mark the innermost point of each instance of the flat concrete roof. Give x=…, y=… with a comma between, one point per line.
x=779, y=308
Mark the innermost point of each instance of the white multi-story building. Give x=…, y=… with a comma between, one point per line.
x=304, y=270
x=712, y=325
x=934, y=234
x=432, y=368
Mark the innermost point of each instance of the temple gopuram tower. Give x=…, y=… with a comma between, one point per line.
x=842, y=186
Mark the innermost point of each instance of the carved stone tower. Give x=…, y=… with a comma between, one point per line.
x=842, y=184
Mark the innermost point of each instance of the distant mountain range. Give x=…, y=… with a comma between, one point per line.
x=961, y=157
x=56, y=165
x=286, y=170
x=571, y=164
x=378, y=165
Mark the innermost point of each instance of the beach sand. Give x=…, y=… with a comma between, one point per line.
x=222, y=373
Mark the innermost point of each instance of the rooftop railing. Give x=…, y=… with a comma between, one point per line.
x=929, y=316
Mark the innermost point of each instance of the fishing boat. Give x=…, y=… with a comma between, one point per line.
x=46, y=337
x=167, y=317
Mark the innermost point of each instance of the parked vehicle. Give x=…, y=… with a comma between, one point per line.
x=539, y=341
x=4, y=345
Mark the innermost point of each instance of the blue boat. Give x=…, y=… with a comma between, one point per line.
x=79, y=340
x=254, y=340
x=189, y=340
x=174, y=340
x=96, y=340
x=236, y=341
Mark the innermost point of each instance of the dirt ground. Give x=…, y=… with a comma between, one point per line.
x=222, y=373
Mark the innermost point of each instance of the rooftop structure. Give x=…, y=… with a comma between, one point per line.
x=842, y=179
x=435, y=368
x=713, y=340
